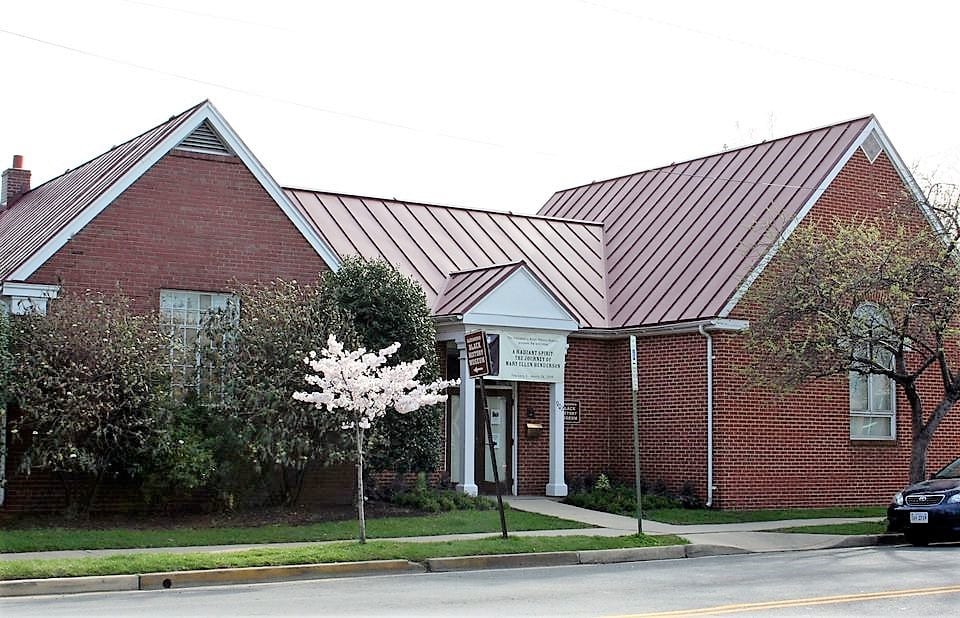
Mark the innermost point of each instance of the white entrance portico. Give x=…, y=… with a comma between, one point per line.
x=527, y=327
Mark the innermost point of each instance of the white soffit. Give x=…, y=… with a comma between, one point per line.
x=520, y=301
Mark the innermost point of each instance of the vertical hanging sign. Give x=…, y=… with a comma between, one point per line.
x=478, y=356
x=634, y=382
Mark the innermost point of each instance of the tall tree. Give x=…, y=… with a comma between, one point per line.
x=386, y=307
x=875, y=298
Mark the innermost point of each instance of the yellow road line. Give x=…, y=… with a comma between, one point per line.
x=843, y=598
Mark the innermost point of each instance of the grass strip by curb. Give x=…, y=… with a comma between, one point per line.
x=855, y=529
x=707, y=516
x=327, y=553
x=451, y=522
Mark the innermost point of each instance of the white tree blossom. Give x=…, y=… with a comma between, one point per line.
x=361, y=385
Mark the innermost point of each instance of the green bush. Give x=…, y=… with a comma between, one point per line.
x=430, y=500
x=91, y=380
x=603, y=494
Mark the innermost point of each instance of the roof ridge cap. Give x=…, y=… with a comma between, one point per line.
x=717, y=153
x=508, y=213
x=187, y=112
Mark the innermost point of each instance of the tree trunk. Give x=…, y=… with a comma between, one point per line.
x=918, y=457
x=363, y=523
x=919, y=434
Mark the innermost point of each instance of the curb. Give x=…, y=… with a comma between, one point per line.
x=502, y=561
x=256, y=575
x=253, y=575
x=68, y=585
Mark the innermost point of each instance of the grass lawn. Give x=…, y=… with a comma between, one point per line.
x=705, y=516
x=332, y=552
x=867, y=527
x=452, y=522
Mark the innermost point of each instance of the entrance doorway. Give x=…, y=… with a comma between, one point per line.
x=501, y=402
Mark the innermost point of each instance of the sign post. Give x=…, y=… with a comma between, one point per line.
x=478, y=365
x=634, y=386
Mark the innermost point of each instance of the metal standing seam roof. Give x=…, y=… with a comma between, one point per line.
x=43, y=211
x=680, y=239
x=466, y=288
x=430, y=243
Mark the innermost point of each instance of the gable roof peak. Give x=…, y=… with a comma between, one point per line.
x=52, y=213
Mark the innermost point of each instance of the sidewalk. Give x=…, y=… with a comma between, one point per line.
x=748, y=536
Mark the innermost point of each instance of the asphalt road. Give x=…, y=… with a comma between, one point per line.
x=844, y=582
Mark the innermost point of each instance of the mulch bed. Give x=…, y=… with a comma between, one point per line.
x=233, y=519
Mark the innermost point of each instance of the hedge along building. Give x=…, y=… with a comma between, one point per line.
x=668, y=255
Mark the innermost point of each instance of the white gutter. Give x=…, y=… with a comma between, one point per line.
x=703, y=331
x=677, y=328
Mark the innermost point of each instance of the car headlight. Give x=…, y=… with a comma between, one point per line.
x=898, y=498
x=954, y=499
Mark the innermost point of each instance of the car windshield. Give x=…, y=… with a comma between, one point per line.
x=952, y=471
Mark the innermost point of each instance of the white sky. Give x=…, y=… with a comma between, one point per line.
x=492, y=104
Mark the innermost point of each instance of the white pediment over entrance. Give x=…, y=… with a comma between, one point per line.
x=521, y=301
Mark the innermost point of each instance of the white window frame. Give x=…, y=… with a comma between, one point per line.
x=872, y=381
x=184, y=310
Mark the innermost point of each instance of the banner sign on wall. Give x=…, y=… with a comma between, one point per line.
x=532, y=357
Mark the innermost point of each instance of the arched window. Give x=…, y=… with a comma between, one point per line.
x=872, y=396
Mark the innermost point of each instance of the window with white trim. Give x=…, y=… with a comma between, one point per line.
x=181, y=315
x=872, y=396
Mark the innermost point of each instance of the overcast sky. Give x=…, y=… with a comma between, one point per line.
x=485, y=104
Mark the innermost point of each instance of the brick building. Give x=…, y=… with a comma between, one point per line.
x=668, y=255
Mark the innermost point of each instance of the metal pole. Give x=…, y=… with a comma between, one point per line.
x=634, y=384
x=493, y=459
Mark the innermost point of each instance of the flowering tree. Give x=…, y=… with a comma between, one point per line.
x=361, y=386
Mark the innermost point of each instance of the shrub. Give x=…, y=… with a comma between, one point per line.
x=430, y=500
x=91, y=381
x=254, y=364
x=603, y=494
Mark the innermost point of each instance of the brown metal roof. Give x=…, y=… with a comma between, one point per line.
x=41, y=213
x=680, y=239
x=429, y=243
x=468, y=287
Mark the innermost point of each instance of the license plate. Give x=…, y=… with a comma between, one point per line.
x=919, y=517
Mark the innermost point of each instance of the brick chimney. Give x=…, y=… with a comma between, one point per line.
x=16, y=182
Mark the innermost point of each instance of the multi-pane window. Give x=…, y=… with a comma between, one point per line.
x=182, y=315
x=872, y=396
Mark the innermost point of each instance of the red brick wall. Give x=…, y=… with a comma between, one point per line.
x=191, y=222
x=795, y=450
x=588, y=444
x=533, y=454
x=769, y=449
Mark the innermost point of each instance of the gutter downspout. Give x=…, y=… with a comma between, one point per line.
x=709, y=337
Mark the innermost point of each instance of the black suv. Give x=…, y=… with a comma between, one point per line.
x=929, y=511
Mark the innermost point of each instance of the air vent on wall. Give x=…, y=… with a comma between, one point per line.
x=205, y=139
x=872, y=147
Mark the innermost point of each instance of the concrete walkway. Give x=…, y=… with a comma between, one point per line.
x=747, y=536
